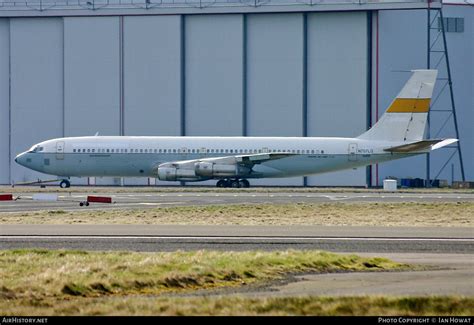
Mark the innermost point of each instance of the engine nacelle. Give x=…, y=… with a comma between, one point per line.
x=169, y=173
x=209, y=169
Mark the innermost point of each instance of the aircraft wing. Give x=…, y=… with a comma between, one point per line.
x=250, y=159
x=421, y=145
x=214, y=167
x=247, y=160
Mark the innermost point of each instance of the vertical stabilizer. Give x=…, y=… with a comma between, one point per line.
x=405, y=119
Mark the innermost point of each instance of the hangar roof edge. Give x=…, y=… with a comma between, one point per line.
x=48, y=8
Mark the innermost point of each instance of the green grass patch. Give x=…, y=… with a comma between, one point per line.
x=39, y=274
x=235, y=305
x=60, y=282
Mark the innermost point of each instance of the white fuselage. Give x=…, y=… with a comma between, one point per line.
x=399, y=133
x=124, y=156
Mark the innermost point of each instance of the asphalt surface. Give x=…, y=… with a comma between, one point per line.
x=70, y=201
x=170, y=238
x=453, y=275
x=447, y=252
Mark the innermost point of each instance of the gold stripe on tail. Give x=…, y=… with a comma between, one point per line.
x=410, y=105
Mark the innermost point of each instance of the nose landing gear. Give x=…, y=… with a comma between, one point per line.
x=234, y=183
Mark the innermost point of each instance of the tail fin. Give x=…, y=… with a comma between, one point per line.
x=405, y=119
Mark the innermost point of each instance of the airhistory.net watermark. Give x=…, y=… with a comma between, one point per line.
x=23, y=320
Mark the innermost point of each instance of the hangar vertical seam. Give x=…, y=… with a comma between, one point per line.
x=428, y=65
x=121, y=78
x=183, y=77
x=9, y=102
x=368, y=169
x=62, y=83
x=305, y=77
x=377, y=85
x=244, y=75
x=305, y=83
x=121, y=85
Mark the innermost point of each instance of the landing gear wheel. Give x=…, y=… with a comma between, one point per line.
x=244, y=183
x=65, y=184
x=235, y=184
x=221, y=183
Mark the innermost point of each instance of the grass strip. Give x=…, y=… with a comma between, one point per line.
x=409, y=214
x=235, y=305
x=35, y=274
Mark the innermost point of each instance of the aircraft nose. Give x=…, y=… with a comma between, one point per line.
x=20, y=159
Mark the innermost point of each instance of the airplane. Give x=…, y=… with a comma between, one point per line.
x=233, y=160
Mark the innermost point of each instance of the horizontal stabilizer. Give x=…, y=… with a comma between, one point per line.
x=424, y=145
x=444, y=143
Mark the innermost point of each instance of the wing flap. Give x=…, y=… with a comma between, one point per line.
x=261, y=157
x=250, y=159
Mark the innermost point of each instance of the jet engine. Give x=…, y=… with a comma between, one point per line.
x=172, y=173
x=199, y=170
x=210, y=170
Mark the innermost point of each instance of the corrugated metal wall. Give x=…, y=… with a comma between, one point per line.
x=152, y=79
x=337, y=92
x=4, y=101
x=275, y=78
x=213, y=75
x=36, y=81
x=91, y=76
x=229, y=74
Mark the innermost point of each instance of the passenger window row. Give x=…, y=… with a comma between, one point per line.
x=202, y=150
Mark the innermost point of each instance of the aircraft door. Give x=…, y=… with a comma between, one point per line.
x=352, y=152
x=60, y=150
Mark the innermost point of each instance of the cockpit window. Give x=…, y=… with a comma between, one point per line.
x=40, y=148
x=34, y=148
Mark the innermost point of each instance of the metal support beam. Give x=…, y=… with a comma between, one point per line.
x=451, y=93
x=434, y=48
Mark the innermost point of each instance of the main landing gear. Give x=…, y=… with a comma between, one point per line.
x=65, y=183
x=234, y=183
